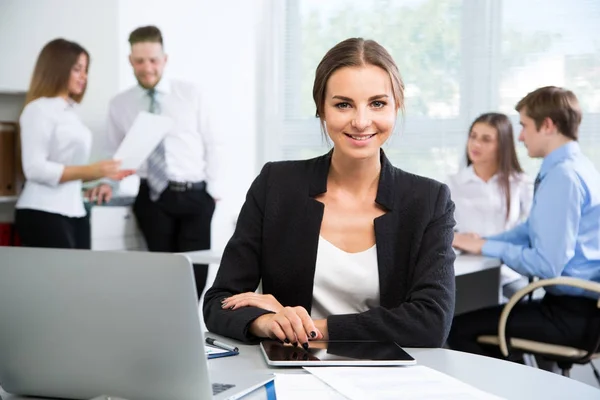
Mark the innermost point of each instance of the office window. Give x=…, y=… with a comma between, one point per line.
x=559, y=45
x=458, y=58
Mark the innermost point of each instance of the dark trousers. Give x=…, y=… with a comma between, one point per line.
x=44, y=229
x=563, y=320
x=176, y=222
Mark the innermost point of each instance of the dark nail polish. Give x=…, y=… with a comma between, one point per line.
x=305, y=346
x=295, y=344
x=313, y=334
x=294, y=356
x=287, y=340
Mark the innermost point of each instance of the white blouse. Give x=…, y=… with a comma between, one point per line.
x=481, y=206
x=345, y=283
x=52, y=137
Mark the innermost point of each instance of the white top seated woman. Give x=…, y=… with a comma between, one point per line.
x=492, y=194
x=346, y=245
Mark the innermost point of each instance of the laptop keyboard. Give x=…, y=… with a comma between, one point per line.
x=220, y=387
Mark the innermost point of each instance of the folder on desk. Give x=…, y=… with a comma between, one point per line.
x=216, y=352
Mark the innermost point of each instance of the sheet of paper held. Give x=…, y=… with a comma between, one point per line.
x=303, y=387
x=145, y=134
x=382, y=383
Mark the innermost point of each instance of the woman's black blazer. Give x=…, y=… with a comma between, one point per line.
x=276, y=238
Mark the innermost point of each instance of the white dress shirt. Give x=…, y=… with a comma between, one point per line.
x=52, y=137
x=192, y=149
x=345, y=283
x=481, y=206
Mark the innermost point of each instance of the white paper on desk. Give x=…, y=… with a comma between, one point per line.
x=385, y=383
x=304, y=387
x=144, y=135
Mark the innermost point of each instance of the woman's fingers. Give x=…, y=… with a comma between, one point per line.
x=290, y=325
x=310, y=329
x=283, y=319
x=277, y=332
x=251, y=299
x=297, y=324
x=236, y=300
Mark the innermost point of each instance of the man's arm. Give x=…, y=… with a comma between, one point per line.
x=518, y=235
x=554, y=223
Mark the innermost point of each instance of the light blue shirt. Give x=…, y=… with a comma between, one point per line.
x=562, y=235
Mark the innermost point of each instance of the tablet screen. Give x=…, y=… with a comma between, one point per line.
x=336, y=353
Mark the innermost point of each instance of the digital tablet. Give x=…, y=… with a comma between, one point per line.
x=335, y=353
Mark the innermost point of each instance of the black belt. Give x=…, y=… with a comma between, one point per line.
x=182, y=186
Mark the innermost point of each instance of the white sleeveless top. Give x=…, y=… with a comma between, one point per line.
x=345, y=283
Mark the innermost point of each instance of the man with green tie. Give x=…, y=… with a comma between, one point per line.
x=179, y=183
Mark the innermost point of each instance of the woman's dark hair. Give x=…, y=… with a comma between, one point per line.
x=53, y=70
x=508, y=163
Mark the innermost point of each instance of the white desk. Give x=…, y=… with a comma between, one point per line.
x=477, y=278
x=502, y=378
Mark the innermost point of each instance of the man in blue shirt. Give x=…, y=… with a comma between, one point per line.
x=560, y=238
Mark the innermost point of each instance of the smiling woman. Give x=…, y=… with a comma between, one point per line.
x=346, y=245
x=356, y=121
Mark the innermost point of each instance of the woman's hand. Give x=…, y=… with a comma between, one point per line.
x=252, y=299
x=468, y=242
x=109, y=169
x=99, y=194
x=290, y=325
x=91, y=172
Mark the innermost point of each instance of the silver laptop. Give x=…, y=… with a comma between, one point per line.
x=79, y=324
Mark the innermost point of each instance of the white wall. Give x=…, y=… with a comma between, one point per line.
x=228, y=48
x=209, y=43
x=178, y=22
x=27, y=25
